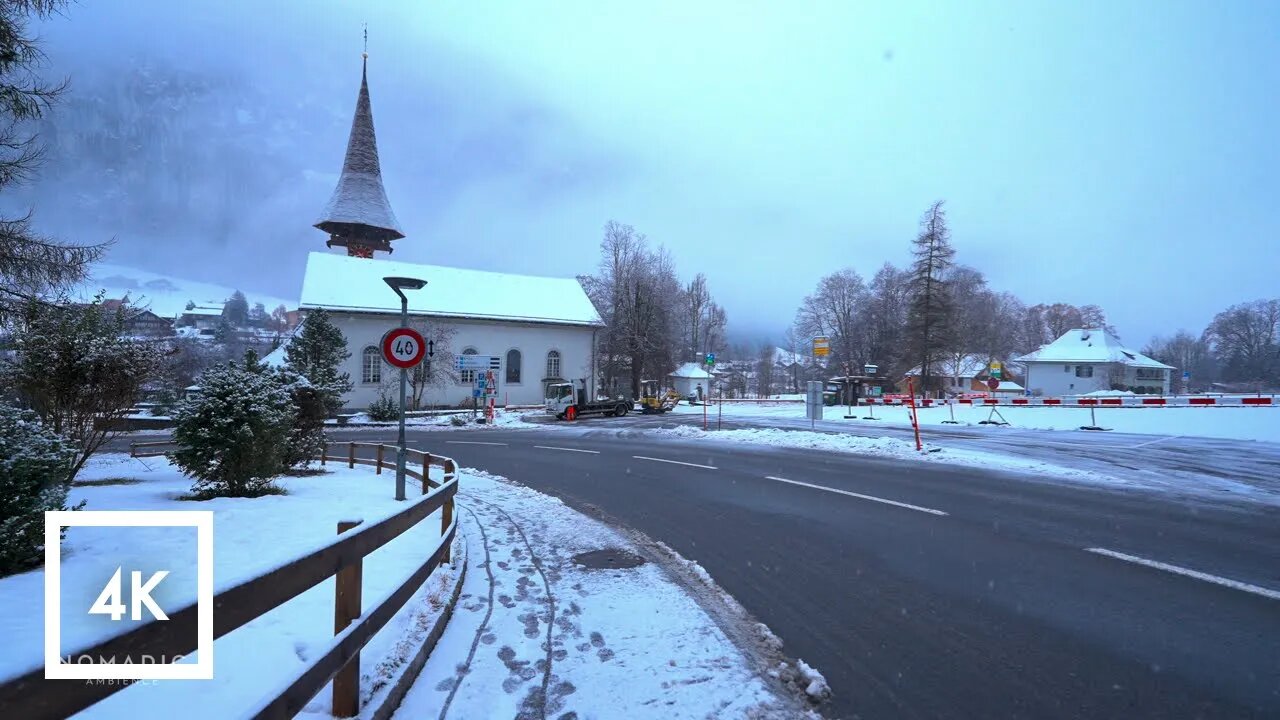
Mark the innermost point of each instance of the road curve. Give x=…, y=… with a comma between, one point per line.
x=927, y=590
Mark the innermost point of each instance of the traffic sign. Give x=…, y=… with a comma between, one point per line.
x=476, y=362
x=993, y=383
x=996, y=369
x=403, y=347
x=711, y=358
x=821, y=346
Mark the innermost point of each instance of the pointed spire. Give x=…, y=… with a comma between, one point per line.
x=358, y=215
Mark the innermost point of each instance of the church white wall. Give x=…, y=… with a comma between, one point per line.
x=534, y=341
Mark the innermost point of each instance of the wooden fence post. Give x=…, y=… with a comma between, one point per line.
x=446, y=519
x=351, y=455
x=426, y=473
x=346, y=608
x=379, y=471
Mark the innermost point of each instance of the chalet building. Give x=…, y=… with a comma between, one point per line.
x=964, y=375
x=539, y=330
x=1086, y=360
x=691, y=380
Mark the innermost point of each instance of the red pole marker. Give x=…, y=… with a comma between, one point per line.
x=915, y=423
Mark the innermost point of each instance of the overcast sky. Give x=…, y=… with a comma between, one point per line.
x=1122, y=154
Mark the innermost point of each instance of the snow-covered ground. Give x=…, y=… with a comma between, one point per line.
x=250, y=536
x=534, y=627
x=879, y=446
x=502, y=419
x=1239, y=423
x=165, y=295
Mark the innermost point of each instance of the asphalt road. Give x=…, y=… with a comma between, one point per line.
x=936, y=591
x=976, y=595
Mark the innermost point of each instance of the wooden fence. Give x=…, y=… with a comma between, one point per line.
x=32, y=697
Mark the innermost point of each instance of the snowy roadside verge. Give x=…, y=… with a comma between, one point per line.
x=879, y=447
x=536, y=634
x=251, y=536
x=502, y=419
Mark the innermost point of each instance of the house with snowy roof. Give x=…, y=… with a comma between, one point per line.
x=962, y=374
x=1089, y=360
x=534, y=330
x=691, y=380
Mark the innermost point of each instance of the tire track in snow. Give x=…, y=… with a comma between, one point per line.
x=484, y=625
x=551, y=603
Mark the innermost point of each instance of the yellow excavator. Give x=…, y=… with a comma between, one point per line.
x=652, y=402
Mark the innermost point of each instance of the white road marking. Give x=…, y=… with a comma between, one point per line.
x=471, y=442
x=548, y=447
x=1157, y=440
x=676, y=462
x=1225, y=582
x=872, y=498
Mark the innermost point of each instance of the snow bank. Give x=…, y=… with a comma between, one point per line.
x=506, y=420
x=880, y=447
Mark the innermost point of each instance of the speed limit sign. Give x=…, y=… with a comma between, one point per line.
x=403, y=347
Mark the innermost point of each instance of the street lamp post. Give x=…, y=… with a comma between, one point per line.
x=398, y=284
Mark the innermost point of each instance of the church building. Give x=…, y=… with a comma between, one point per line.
x=537, y=329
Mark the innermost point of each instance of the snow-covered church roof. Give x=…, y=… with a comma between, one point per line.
x=359, y=207
x=338, y=282
x=1092, y=346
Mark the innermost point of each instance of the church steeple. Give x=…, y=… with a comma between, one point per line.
x=358, y=215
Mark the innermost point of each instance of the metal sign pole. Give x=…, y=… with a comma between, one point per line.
x=404, y=377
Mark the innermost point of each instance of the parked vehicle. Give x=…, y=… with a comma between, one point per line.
x=568, y=401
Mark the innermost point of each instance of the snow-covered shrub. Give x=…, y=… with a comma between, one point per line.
x=233, y=435
x=77, y=369
x=457, y=420
x=384, y=409
x=35, y=464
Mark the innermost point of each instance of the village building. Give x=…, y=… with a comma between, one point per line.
x=966, y=375
x=1090, y=360
x=691, y=380
x=537, y=330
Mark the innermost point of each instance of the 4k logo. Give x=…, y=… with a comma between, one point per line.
x=109, y=603
x=130, y=593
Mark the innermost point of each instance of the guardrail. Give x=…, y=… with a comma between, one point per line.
x=32, y=697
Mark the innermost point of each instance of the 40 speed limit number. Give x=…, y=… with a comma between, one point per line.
x=403, y=347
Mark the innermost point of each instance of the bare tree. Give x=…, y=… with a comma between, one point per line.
x=1186, y=352
x=1246, y=338
x=695, y=303
x=764, y=371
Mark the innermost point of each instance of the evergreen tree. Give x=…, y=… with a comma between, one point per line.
x=35, y=464
x=31, y=266
x=232, y=435
x=236, y=310
x=191, y=305
x=929, y=312
x=306, y=439
x=258, y=315
x=316, y=352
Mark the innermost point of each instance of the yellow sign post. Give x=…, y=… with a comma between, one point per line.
x=821, y=346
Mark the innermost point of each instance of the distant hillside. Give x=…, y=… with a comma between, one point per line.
x=166, y=295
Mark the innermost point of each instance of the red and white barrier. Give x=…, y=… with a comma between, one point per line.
x=1102, y=401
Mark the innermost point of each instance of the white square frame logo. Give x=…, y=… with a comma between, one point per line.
x=54, y=668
